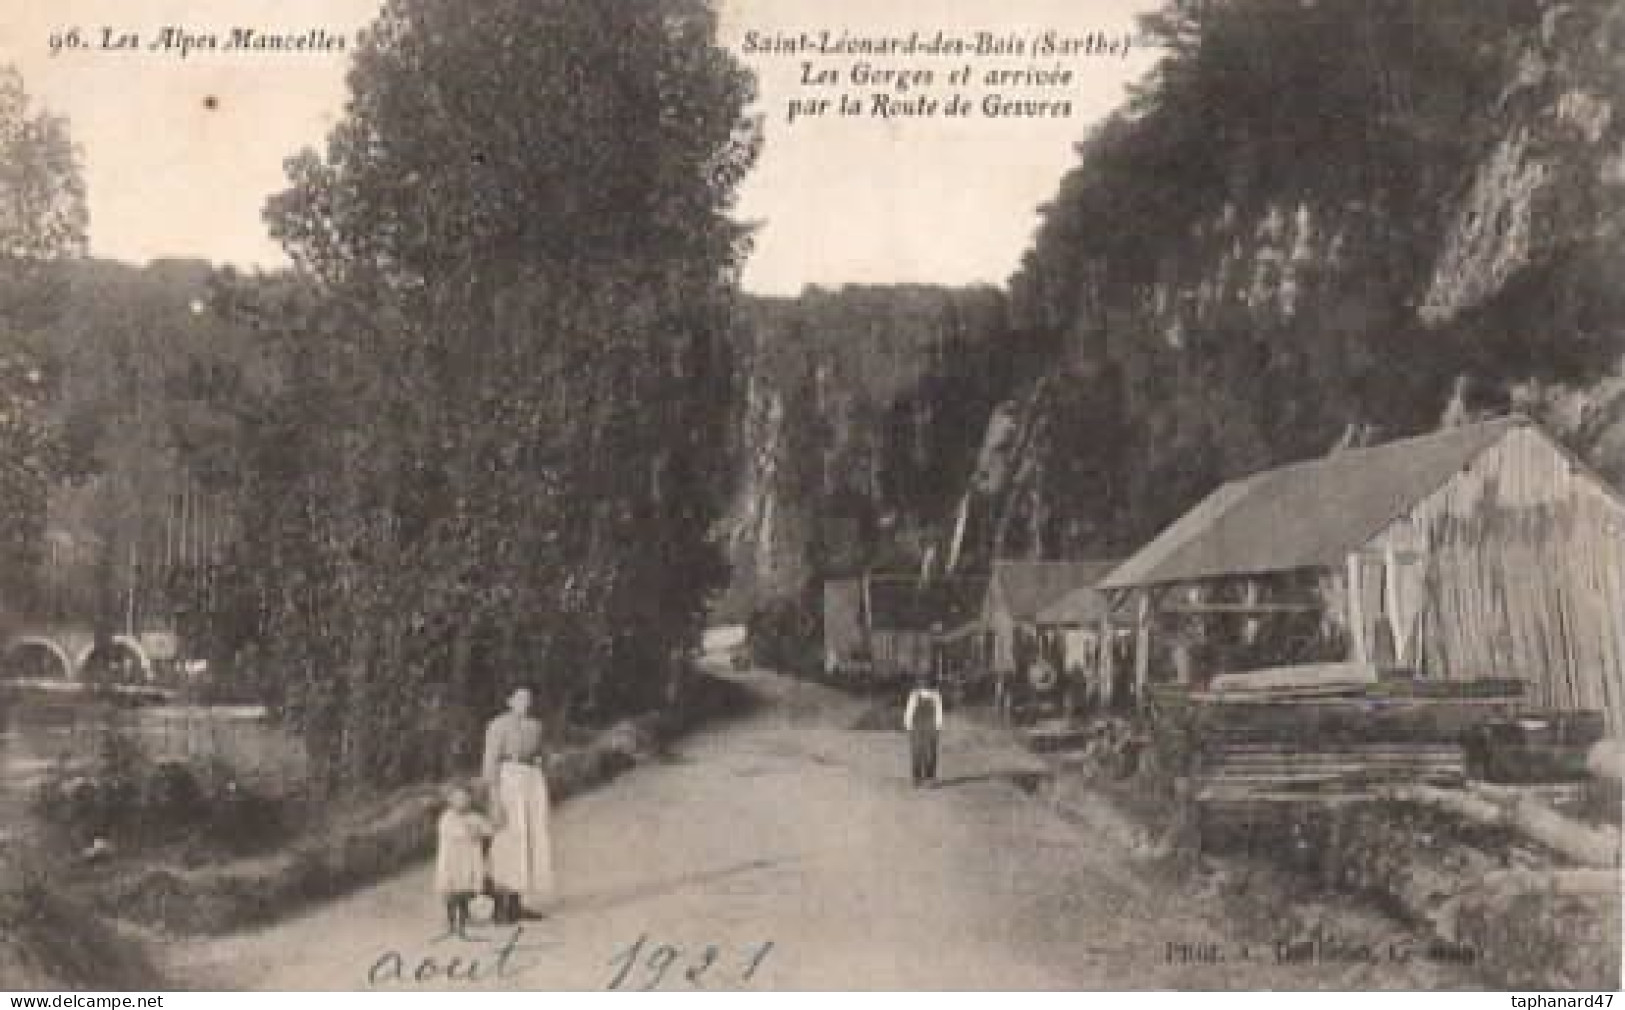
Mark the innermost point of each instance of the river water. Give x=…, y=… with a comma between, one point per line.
x=39, y=731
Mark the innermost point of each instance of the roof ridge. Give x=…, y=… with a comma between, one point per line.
x=1053, y=561
x=1505, y=420
x=1511, y=420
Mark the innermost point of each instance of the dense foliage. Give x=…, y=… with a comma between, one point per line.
x=144, y=400
x=42, y=228
x=491, y=454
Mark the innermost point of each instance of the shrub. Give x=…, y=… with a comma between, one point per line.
x=48, y=942
x=242, y=820
x=124, y=797
x=785, y=635
x=1537, y=940
x=172, y=793
x=101, y=799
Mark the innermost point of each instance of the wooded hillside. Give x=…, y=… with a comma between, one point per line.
x=1312, y=224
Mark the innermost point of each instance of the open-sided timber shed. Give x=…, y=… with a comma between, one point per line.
x=1017, y=594
x=1487, y=550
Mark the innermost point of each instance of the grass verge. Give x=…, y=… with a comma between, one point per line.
x=49, y=941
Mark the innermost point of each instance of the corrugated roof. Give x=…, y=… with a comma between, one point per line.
x=1084, y=605
x=1306, y=515
x=1027, y=587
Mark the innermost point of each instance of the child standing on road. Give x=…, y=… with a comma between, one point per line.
x=922, y=719
x=459, y=871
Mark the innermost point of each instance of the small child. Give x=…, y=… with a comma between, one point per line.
x=459, y=871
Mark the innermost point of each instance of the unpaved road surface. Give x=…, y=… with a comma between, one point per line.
x=788, y=850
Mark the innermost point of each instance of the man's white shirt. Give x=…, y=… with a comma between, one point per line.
x=914, y=698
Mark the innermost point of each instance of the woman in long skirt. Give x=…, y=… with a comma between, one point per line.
x=521, y=849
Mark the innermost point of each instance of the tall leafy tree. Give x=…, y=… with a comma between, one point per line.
x=519, y=248
x=42, y=226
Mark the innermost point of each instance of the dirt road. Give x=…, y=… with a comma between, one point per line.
x=788, y=850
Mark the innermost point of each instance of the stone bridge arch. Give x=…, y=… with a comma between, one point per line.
x=70, y=646
x=129, y=644
x=67, y=668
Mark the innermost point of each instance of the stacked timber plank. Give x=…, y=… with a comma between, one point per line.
x=1055, y=735
x=1536, y=746
x=1265, y=772
x=1335, y=733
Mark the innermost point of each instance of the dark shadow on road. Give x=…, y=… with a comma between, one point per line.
x=718, y=697
x=1026, y=780
x=885, y=714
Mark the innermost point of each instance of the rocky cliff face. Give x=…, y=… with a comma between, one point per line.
x=1408, y=214
x=766, y=553
x=857, y=419
x=1449, y=246
x=1548, y=192
x=1553, y=175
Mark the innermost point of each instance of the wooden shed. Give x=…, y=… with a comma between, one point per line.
x=1017, y=593
x=1487, y=550
x=1073, y=628
x=904, y=618
x=843, y=623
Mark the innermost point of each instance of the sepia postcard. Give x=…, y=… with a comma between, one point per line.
x=768, y=495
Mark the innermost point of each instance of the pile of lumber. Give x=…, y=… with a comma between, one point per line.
x=1330, y=736
x=1056, y=735
x=1306, y=681
x=1268, y=772
x=1535, y=746
x=1335, y=733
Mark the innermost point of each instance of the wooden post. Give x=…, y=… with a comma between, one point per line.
x=1184, y=642
x=1142, y=646
x=1069, y=683
x=1356, y=615
x=1107, y=669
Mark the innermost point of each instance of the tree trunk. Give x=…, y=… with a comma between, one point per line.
x=1590, y=846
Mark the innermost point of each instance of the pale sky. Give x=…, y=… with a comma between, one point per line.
x=934, y=200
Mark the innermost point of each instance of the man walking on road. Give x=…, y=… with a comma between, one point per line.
x=922, y=719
